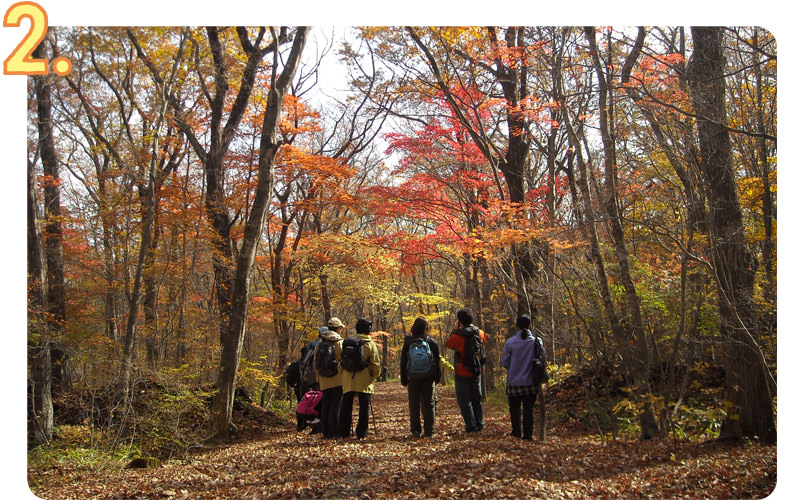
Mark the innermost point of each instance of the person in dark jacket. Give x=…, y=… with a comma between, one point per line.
x=516, y=358
x=469, y=395
x=420, y=374
x=308, y=377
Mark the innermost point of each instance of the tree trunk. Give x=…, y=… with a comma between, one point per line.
x=749, y=385
x=41, y=402
x=149, y=206
x=129, y=341
x=326, y=297
x=234, y=334
x=638, y=359
x=220, y=137
x=150, y=295
x=768, y=211
x=543, y=415
x=53, y=235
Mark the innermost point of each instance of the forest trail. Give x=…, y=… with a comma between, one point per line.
x=390, y=463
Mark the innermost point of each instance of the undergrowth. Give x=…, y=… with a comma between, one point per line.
x=169, y=418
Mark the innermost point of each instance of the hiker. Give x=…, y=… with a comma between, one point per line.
x=361, y=367
x=468, y=356
x=420, y=372
x=518, y=353
x=292, y=379
x=329, y=374
x=308, y=381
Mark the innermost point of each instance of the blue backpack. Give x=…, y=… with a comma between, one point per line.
x=420, y=363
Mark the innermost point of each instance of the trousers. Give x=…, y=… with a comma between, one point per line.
x=469, y=398
x=422, y=399
x=346, y=414
x=526, y=402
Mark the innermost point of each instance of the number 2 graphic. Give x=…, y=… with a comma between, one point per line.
x=20, y=61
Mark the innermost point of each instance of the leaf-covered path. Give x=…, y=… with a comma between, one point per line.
x=390, y=463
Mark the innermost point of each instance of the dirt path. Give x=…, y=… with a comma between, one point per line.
x=390, y=463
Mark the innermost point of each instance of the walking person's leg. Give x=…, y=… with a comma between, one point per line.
x=428, y=403
x=514, y=415
x=331, y=422
x=528, y=415
x=464, y=400
x=463, y=386
x=364, y=415
x=477, y=398
x=414, y=388
x=346, y=414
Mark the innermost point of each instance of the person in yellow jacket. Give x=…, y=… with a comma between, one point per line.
x=358, y=380
x=327, y=354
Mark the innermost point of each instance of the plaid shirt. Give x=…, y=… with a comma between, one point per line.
x=520, y=390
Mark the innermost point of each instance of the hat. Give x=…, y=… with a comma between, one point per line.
x=323, y=329
x=364, y=325
x=335, y=323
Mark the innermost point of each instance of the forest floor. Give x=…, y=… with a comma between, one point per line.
x=282, y=463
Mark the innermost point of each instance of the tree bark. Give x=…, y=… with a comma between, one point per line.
x=234, y=334
x=749, y=385
x=638, y=358
x=41, y=401
x=768, y=211
x=149, y=205
x=53, y=234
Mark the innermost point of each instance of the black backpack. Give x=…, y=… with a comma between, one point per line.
x=325, y=361
x=539, y=371
x=474, y=355
x=293, y=374
x=307, y=375
x=353, y=359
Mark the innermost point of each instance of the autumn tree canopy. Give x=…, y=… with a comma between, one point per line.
x=208, y=213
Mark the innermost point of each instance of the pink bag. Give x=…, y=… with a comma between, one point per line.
x=307, y=407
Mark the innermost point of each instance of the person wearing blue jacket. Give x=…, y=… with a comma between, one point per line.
x=516, y=358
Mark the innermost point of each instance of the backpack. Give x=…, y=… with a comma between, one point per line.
x=293, y=374
x=307, y=375
x=474, y=355
x=539, y=371
x=307, y=406
x=420, y=361
x=353, y=359
x=326, y=359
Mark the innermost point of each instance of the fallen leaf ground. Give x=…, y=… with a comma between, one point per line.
x=390, y=463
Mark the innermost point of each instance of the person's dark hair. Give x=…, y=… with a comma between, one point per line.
x=420, y=327
x=364, y=325
x=465, y=317
x=524, y=322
